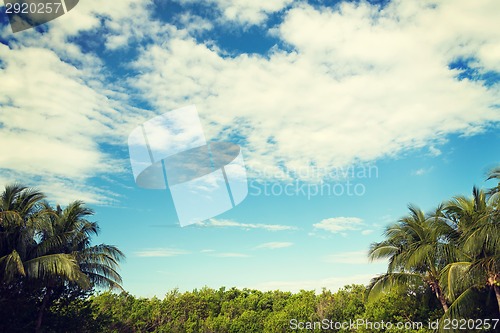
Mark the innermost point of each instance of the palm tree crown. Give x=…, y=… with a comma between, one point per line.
x=48, y=249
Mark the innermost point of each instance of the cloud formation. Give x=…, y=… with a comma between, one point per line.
x=246, y=226
x=243, y=12
x=339, y=224
x=53, y=120
x=59, y=107
x=374, y=83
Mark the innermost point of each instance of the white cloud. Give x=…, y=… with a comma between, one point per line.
x=274, y=245
x=367, y=232
x=247, y=226
x=118, y=23
x=58, y=107
x=371, y=84
x=339, y=224
x=421, y=171
x=254, y=12
x=124, y=22
x=53, y=120
x=160, y=252
x=244, y=12
x=194, y=24
x=434, y=151
x=360, y=84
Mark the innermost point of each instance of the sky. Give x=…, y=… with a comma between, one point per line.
x=345, y=112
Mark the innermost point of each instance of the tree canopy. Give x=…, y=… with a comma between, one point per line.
x=46, y=254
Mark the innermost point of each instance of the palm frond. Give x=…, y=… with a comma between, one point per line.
x=60, y=264
x=462, y=307
x=454, y=279
x=386, y=282
x=11, y=266
x=382, y=250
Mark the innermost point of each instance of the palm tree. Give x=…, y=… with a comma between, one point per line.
x=494, y=192
x=477, y=221
x=70, y=233
x=22, y=217
x=417, y=249
x=493, y=196
x=48, y=250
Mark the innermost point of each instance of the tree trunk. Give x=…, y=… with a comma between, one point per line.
x=43, y=306
x=493, y=282
x=441, y=299
x=439, y=295
x=497, y=293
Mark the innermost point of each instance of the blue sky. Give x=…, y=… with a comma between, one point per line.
x=405, y=94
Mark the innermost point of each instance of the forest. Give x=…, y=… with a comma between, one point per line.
x=443, y=274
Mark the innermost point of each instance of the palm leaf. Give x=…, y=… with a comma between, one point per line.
x=386, y=282
x=60, y=264
x=12, y=266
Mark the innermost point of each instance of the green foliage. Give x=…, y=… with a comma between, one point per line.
x=453, y=252
x=416, y=253
x=48, y=265
x=405, y=306
x=233, y=310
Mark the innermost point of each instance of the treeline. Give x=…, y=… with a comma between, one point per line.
x=252, y=311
